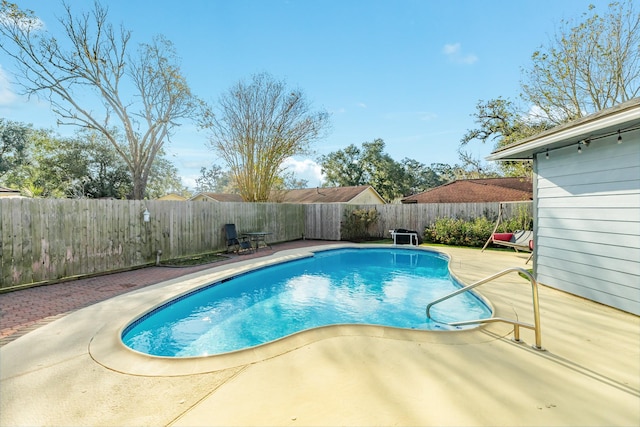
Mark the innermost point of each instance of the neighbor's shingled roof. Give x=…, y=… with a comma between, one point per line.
x=477, y=191
x=221, y=197
x=324, y=194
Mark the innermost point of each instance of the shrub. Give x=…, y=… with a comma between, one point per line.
x=522, y=221
x=459, y=232
x=357, y=223
x=473, y=232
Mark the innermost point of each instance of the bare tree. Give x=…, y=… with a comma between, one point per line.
x=587, y=67
x=260, y=124
x=87, y=82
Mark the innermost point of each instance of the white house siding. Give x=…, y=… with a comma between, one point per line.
x=588, y=221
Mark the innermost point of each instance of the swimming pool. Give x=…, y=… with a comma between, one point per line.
x=376, y=286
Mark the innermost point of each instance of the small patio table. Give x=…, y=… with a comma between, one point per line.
x=257, y=237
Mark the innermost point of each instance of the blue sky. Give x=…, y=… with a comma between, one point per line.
x=408, y=71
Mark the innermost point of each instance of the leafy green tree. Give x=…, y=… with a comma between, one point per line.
x=421, y=177
x=82, y=166
x=52, y=165
x=105, y=175
x=216, y=180
x=368, y=165
x=164, y=178
x=13, y=139
x=144, y=95
x=260, y=124
x=386, y=175
x=344, y=168
x=445, y=172
x=69, y=167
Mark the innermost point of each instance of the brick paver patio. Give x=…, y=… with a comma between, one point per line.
x=24, y=310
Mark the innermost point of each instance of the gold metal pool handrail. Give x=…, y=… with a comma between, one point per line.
x=515, y=323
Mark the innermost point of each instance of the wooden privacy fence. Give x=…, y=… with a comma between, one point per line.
x=48, y=239
x=323, y=221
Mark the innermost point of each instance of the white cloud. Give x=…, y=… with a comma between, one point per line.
x=7, y=96
x=305, y=169
x=455, y=54
x=189, y=181
x=451, y=49
x=362, y=105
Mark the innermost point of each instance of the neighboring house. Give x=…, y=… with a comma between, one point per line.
x=9, y=192
x=477, y=191
x=587, y=205
x=356, y=195
x=216, y=197
x=173, y=197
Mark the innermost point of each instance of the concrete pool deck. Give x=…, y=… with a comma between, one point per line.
x=74, y=372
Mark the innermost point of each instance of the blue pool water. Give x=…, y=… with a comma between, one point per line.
x=379, y=286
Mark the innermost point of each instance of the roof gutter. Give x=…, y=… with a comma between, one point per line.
x=525, y=149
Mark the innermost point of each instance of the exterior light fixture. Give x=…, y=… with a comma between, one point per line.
x=579, y=147
x=547, y=154
x=619, y=137
x=146, y=215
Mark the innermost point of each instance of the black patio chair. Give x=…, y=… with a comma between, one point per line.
x=240, y=244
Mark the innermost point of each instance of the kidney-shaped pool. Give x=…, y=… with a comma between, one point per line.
x=376, y=286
